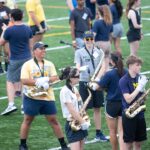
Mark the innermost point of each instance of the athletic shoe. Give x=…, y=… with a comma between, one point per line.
x=1, y=70
x=9, y=110
x=101, y=137
x=21, y=147
x=18, y=93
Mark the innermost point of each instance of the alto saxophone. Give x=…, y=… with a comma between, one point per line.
x=74, y=124
x=137, y=106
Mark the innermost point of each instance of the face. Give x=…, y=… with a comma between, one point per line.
x=40, y=52
x=80, y=2
x=136, y=68
x=89, y=42
x=138, y=3
x=75, y=79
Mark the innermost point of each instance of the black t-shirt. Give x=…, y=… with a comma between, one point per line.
x=4, y=11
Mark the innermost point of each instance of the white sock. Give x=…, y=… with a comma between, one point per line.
x=10, y=103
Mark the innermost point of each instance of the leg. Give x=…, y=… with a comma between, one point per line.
x=137, y=145
x=128, y=146
x=75, y=146
x=117, y=44
x=37, y=38
x=97, y=118
x=10, y=91
x=120, y=132
x=134, y=46
x=112, y=125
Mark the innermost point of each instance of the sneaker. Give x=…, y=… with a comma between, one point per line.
x=18, y=93
x=9, y=110
x=1, y=70
x=21, y=147
x=101, y=137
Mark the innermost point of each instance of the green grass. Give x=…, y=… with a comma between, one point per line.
x=41, y=136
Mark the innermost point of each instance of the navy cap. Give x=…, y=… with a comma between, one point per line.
x=88, y=34
x=39, y=45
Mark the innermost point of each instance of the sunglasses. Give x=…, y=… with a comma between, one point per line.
x=77, y=76
x=89, y=39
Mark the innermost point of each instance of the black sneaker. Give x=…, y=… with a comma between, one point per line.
x=21, y=147
x=101, y=137
x=1, y=70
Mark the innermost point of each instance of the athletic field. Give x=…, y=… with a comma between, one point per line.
x=41, y=136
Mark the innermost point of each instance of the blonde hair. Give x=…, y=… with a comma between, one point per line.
x=105, y=13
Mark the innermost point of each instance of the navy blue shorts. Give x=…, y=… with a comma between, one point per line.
x=113, y=108
x=34, y=107
x=74, y=136
x=97, y=100
x=134, y=130
x=133, y=36
x=36, y=29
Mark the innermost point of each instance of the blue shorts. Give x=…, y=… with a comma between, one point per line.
x=36, y=29
x=34, y=107
x=74, y=136
x=14, y=70
x=113, y=108
x=97, y=100
x=117, y=30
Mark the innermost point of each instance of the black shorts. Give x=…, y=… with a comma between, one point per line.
x=134, y=130
x=36, y=29
x=113, y=108
x=74, y=136
x=97, y=100
x=133, y=36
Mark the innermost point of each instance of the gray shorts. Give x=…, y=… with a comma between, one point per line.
x=117, y=30
x=14, y=70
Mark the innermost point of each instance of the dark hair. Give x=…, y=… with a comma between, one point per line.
x=16, y=14
x=129, y=5
x=132, y=60
x=116, y=57
x=66, y=74
x=119, y=7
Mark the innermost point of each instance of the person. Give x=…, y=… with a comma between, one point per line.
x=36, y=76
x=37, y=20
x=103, y=29
x=134, y=33
x=113, y=105
x=79, y=23
x=71, y=105
x=19, y=37
x=91, y=4
x=102, y=2
x=132, y=86
x=117, y=12
x=72, y=4
x=4, y=18
x=90, y=57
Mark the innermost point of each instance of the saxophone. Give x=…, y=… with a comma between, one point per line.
x=74, y=124
x=137, y=106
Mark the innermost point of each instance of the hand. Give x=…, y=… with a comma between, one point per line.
x=41, y=81
x=93, y=86
x=142, y=80
x=45, y=86
x=85, y=126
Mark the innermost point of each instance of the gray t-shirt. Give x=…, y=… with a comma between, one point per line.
x=83, y=58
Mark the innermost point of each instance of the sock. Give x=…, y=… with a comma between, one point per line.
x=23, y=142
x=98, y=132
x=62, y=142
x=10, y=103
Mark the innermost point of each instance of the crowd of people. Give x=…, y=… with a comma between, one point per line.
x=95, y=25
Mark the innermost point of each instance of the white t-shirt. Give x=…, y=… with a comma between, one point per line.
x=67, y=96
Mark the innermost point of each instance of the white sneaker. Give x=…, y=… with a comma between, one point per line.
x=9, y=110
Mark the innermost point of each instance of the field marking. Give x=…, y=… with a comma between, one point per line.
x=87, y=142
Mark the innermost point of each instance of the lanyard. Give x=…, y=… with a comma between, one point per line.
x=41, y=70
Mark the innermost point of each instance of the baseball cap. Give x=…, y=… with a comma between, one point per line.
x=88, y=34
x=39, y=45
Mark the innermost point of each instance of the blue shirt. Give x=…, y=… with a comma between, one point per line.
x=102, y=30
x=128, y=85
x=114, y=12
x=110, y=82
x=18, y=37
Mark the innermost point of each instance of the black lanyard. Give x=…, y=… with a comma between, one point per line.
x=41, y=70
x=91, y=56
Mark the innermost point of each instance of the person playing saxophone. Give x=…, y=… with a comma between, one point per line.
x=132, y=86
x=71, y=104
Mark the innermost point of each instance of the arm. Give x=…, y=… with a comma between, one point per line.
x=70, y=5
x=72, y=28
x=132, y=16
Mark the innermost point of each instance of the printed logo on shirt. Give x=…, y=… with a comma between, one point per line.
x=84, y=17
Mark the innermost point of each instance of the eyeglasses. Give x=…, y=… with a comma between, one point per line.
x=89, y=39
x=77, y=76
